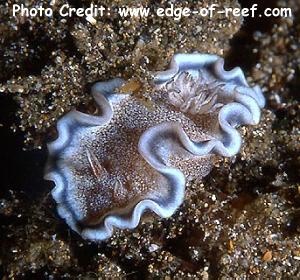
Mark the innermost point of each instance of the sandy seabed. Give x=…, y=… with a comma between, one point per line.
x=242, y=221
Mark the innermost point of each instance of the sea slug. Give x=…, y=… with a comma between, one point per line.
x=108, y=169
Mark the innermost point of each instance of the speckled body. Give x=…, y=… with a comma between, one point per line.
x=109, y=169
x=114, y=147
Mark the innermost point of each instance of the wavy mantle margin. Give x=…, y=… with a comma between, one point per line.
x=245, y=109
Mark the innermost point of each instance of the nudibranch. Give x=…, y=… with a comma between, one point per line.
x=110, y=168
